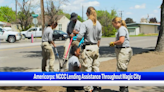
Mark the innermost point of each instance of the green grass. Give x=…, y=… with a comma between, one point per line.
x=140, y=35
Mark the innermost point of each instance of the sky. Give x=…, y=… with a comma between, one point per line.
x=135, y=9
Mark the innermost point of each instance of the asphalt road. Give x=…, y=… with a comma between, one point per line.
x=24, y=55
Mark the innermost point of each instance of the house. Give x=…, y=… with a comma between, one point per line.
x=62, y=24
x=61, y=19
x=142, y=28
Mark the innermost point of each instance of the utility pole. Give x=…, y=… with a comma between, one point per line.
x=42, y=14
x=121, y=13
x=16, y=8
x=82, y=13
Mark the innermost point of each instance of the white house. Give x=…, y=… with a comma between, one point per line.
x=142, y=28
x=62, y=24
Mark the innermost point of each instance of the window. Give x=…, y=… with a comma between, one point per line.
x=40, y=29
x=55, y=33
x=60, y=26
x=34, y=29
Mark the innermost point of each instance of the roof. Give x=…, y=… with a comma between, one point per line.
x=132, y=27
x=143, y=24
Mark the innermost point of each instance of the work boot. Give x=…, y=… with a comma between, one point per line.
x=96, y=89
x=124, y=89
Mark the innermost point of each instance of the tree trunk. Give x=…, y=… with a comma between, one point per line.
x=160, y=40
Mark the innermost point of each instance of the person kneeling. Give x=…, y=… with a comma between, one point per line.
x=74, y=65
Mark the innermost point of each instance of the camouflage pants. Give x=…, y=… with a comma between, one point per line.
x=89, y=61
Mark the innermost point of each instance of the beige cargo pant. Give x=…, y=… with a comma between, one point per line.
x=47, y=53
x=123, y=56
x=89, y=61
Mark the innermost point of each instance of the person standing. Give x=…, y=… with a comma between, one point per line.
x=91, y=30
x=73, y=29
x=47, y=50
x=122, y=47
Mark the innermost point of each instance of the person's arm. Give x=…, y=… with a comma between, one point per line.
x=122, y=34
x=52, y=42
x=70, y=29
x=81, y=32
x=51, y=38
x=99, y=37
x=75, y=32
x=98, y=43
x=120, y=41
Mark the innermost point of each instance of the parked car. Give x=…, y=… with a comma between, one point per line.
x=9, y=36
x=57, y=34
x=36, y=31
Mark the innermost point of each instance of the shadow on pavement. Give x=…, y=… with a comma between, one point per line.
x=13, y=69
x=29, y=88
x=105, y=51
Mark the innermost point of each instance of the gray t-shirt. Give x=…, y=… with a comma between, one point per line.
x=77, y=25
x=73, y=62
x=91, y=33
x=47, y=35
x=122, y=31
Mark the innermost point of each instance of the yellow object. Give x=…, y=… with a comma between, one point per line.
x=111, y=44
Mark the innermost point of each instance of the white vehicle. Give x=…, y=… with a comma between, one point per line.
x=36, y=31
x=9, y=36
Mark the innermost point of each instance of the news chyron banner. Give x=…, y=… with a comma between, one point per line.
x=81, y=78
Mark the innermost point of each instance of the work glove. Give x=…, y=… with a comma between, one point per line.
x=111, y=44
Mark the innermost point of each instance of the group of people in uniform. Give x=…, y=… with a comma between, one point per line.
x=85, y=46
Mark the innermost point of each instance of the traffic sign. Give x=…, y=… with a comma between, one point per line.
x=34, y=15
x=35, y=21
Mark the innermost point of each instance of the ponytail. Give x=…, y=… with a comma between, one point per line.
x=119, y=20
x=92, y=14
x=123, y=23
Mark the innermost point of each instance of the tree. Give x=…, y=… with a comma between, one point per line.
x=153, y=20
x=7, y=14
x=129, y=20
x=160, y=40
x=24, y=15
x=105, y=19
x=53, y=10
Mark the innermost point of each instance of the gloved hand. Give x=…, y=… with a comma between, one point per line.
x=111, y=44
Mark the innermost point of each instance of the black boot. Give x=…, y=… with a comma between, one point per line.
x=124, y=89
x=96, y=89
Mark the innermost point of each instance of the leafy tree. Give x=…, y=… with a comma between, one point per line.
x=24, y=15
x=105, y=19
x=7, y=14
x=129, y=20
x=153, y=20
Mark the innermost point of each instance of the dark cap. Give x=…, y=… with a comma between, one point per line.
x=73, y=16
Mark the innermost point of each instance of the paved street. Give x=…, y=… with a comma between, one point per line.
x=24, y=55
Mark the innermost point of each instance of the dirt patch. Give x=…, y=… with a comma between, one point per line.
x=138, y=63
